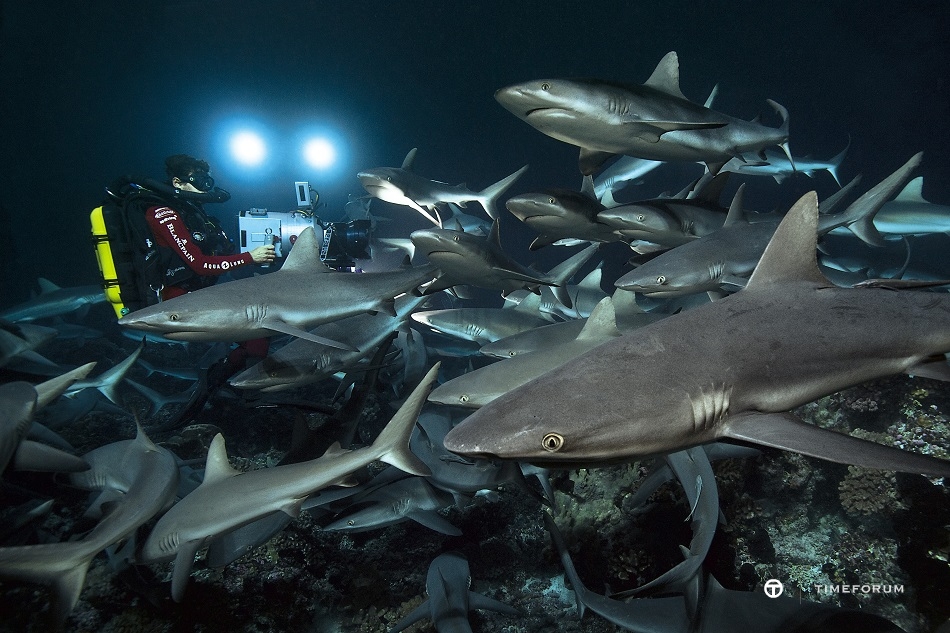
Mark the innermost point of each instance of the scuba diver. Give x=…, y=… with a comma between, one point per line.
x=193, y=251
x=196, y=238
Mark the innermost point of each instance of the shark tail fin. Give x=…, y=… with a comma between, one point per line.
x=859, y=216
x=393, y=442
x=60, y=566
x=488, y=197
x=580, y=590
x=783, y=112
x=835, y=162
x=558, y=276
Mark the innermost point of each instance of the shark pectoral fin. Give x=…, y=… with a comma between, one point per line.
x=786, y=431
x=286, y=328
x=733, y=283
x=541, y=241
x=433, y=521
x=563, y=297
x=184, y=561
x=935, y=368
x=478, y=601
x=590, y=161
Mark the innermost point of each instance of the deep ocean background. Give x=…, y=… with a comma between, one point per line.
x=94, y=90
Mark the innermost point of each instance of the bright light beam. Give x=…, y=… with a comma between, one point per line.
x=248, y=148
x=319, y=153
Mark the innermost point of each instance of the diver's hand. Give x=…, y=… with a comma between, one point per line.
x=263, y=254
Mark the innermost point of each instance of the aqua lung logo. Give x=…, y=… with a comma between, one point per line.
x=773, y=588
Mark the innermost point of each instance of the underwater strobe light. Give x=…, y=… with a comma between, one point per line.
x=319, y=153
x=248, y=148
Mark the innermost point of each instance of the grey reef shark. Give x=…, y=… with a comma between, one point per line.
x=400, y=185
x=732, y=369
x=304, y=293
x=653, y=121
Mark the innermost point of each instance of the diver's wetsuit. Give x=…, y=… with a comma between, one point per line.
x=170, y=231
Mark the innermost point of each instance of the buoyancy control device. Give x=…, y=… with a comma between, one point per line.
x=134, y=268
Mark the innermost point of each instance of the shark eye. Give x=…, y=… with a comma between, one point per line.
x=172, y=317
x=511, y=353
x=389, y=178
x=463, y=398
x=551, y=201
x=545, y=86
x=661, y=280
x=457, y=238
x=552, y=442
x=641, y=218
x=351, y=522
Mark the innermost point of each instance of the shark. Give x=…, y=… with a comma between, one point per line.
x=730, y=369
x=302, y=362
x=477, y=388
x=779, y=167
x=450, y=598
x=53, y=301
x=654, y=121
x=909, y=213
x=628, y=316
x=410, y=498
x=722, y=261
x=480, y=261
x=400, y=185
x=484, y=325
x=303, y=294
x=228, y=499
x=138, y=480
x=707, y=607
x=559, y=214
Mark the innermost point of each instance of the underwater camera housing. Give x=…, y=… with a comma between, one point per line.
x=341, y=245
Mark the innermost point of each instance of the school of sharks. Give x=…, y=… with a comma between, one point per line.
x=423, y=413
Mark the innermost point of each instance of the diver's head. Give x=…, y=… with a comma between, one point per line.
x=189, y=174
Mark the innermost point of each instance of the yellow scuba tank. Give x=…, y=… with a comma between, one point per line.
x=107, y=265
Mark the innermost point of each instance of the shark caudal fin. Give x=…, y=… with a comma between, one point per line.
x=834, y=163
x=393, y=442
x=489, y=196
x=60, y=566
x=859, y=216
x=783, y=112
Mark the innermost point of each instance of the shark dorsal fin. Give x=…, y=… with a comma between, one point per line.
x=407, y=161
x=790, y=254
x=625, y=302
x=587, y=187
x=593, y=278
x=735, y=214
x=46, y=285
x=666, y=76
x=531, y=304
x=217, y=467
x=305, y=255
x=912, y=192
x=601, y=322
x=335, y=450
x=142, y=438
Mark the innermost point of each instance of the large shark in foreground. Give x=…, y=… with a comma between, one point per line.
x=729, y=369
x=303, y=294
x=654, y=121
x=228, y=499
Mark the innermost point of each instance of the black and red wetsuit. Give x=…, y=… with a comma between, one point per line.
x=170, y=231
